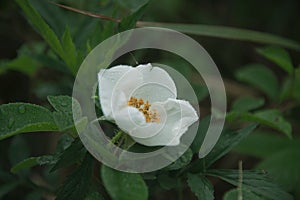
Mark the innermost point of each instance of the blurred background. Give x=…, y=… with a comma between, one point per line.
x=277, y=17
x=18, y=37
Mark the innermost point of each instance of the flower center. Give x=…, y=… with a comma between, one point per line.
x=151, y=116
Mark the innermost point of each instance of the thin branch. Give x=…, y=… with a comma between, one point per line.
x=84, y=12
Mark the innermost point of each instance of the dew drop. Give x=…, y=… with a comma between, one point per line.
x=22, y=109
x=11, y=122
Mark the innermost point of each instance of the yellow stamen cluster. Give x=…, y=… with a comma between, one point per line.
x=151, y=116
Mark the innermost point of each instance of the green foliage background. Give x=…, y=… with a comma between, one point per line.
x=43, y=45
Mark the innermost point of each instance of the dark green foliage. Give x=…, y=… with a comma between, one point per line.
x=18, y=118
x=284, y=167
x=281, y=156
x=123, y=186
x=245, y=104
x=260, y=77
x=279, y=56
x=246, y=195
x=271, y=101
x=33, y=161
x=71, y=155
x=167, y=181
x=202, y=188
x=229, y=33
x=272, y=118
x=203, y=126
x=62, y=50
x=76, y=186
x=182, y=161
x=255, y=181
x=64, y=111
x=129, y=22
x=227, y=141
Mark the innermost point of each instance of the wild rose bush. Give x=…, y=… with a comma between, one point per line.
x=261, y=120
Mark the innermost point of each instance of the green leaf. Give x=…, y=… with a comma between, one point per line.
x=22, y=64
x=64, y=142
x=34, y=161
x=271, y=118
x=260, y=77
x=182, y=161
x=25, y=62
x=227, y=33
x=201, y=92
x=123, y=186
x=244, y=104
x=202, y=188
x=77, y=184
x=16, y=118
x=129, y=22
x=246, y=195
x=63, y=103
x=41, y=26
x=51, y=62
x=254, y=181
x=167, y=181
x=73, y=154
x=47, y=33
x=279, y=56
x=284, y=167
x=227, y=141
x=286, y=89
x=94, y=196
x=202, y=129
x=25, y=164
x=32, y=48
x=64, y=114
x=70, y=51
x=264, y=144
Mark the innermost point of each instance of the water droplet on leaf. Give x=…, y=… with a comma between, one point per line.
x=11, y=122
x=22, y=109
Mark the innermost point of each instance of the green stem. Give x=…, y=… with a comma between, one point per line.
x=240, y=183
x=116, y=137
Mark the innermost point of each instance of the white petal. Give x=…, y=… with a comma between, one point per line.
x=107, y=79
x=157, y=85
x=124, y=89
x=129, y=118
x=151, y=129
x=180, y=115
x=113, y=80
x=152, y=74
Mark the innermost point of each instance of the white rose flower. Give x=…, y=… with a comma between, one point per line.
x=142, y=101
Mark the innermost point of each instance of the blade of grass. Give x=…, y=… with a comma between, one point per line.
x=223, y=32
x=226, y=33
